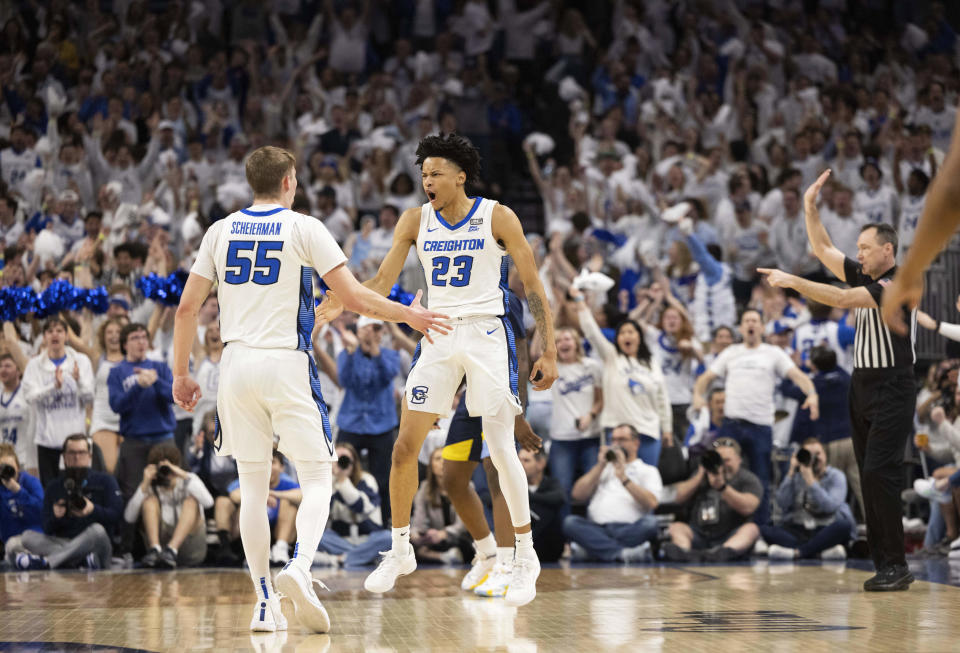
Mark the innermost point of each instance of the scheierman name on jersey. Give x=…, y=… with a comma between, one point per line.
x=256, y=229
x=453, y=245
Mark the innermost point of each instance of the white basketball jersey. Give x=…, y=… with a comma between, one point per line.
x=466, y=268
x=264, y=258
x=17, y=425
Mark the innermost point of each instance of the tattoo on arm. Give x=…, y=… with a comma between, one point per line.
x=535, y=303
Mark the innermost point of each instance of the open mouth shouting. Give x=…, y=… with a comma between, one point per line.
x=432, y=196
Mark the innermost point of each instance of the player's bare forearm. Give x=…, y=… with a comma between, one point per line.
x=543, y=318
x=194, y=293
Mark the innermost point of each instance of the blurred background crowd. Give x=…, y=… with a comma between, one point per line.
x=656, y=152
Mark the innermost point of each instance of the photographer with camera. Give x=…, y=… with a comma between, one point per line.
x=170, y=501
x=816, y=517
x=723, y=495
x=140, y=392
x=751, y=372
x=355, y=534
x=21, y=501
x=623, y=492
x=81, y=510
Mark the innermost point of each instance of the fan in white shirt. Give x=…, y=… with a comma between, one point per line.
x=876, y=200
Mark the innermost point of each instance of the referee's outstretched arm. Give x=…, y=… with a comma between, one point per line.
x=823, y=248
x=824, y=293
x=940, y=218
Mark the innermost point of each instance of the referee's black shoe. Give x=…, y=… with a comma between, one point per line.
x=895, y=578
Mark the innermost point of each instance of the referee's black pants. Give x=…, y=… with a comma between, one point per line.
x=882, y=403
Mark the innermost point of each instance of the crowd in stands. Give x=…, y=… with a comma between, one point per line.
x=657, y=153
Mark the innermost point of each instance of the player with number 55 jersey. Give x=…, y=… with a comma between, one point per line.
x=264, y=258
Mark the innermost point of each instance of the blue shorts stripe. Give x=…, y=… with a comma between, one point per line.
x=321, y=404
x=217, y=432
x=416, y=356
x=512, y=363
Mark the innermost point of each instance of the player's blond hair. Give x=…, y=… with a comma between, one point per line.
x=266, y=167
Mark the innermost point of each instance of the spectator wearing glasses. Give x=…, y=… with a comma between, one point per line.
x=623, y=491
x=140, y=392
x=722, y=495
x=81, y=510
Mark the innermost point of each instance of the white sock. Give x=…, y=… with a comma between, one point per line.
x=281, y=543
x=316, y=483
x=254, y=526
x=158, y=548
x=175, y=551
x=498, y=431
x=504, y=555
x=487, y=546
x=400, y=538
x=524, y=542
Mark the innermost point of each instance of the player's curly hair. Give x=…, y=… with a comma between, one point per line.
x=454, y=148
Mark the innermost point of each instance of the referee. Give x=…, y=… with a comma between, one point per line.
x=882, y=388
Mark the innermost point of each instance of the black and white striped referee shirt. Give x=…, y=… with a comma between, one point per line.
x=875, y=346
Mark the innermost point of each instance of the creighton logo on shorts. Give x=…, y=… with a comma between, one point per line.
x=418, y=394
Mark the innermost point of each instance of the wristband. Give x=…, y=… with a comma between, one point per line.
x=626, y=481
x=578, y=299
x=937, y=329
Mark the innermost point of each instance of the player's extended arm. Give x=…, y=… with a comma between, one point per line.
x=940, y=218
x=507, y=230
x=358, y=298
x=404, y=235
x=820, y=242
x=824, y=293
x=186, y=391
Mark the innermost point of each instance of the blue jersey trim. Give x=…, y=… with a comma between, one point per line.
x=512, y=363
x=305, y=315
x=416, y=356
x=262, y=214
x=321, y=404
x=473, y=209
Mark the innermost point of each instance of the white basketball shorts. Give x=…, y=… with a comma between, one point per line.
x=484, y=349
x=264, y=392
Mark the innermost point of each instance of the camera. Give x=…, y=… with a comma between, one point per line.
x=344, y=462
x=804, y=457
x=711, y=461
x=75, y=499
x=163, y=475
x=7, y=473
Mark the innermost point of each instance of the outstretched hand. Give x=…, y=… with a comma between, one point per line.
x=423, y=320
x=328, y=310
x=813, y=191
x=776, y=278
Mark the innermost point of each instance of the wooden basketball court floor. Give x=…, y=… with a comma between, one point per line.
x=750, y=607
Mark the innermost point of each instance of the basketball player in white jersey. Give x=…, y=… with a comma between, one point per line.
x=463, y=243
x=264, y=258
